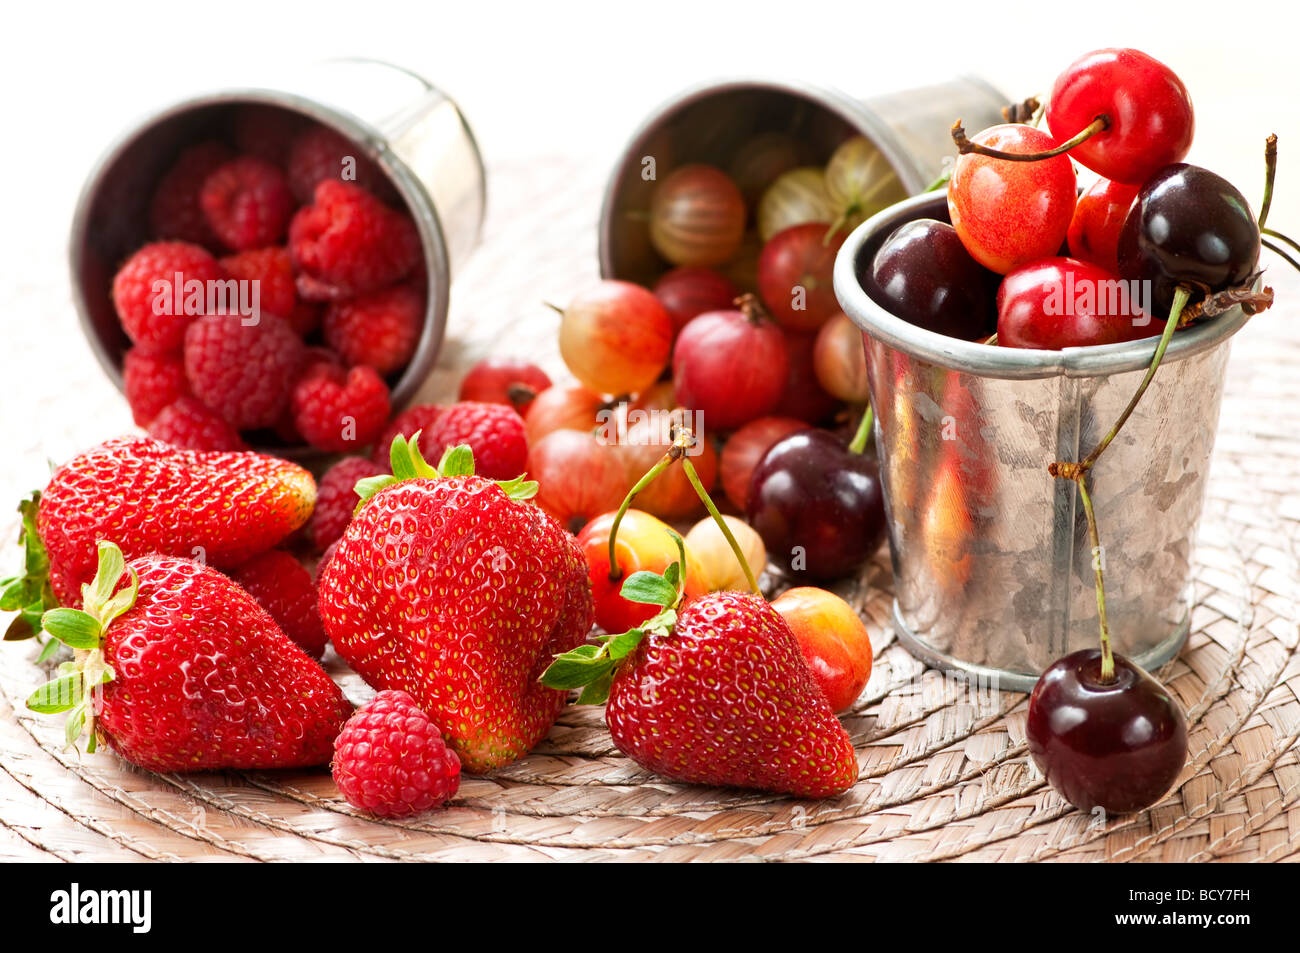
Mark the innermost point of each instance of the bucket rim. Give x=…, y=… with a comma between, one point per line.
x=1099, y=360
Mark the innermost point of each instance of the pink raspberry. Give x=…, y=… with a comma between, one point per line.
x=421, y=417
x=247, y=202
x=390, y=759
x=153, y=293
x=174, y=210
x=495, y=432
x=338, y=411
x=273, y=272
x=266, y=131
x=242, y=371
x=285, y=589
x=351, y=243
x=191, y=425
x=336, y=499
x=380, y=329
x=320, y=153
x=151, y=382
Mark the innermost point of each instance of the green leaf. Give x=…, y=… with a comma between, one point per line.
x=51, y=649
x=572, y=671
x=20, y=628
x=369, y=486
x=75, y=724
x=29, y=593
x=648, y=587
x=621, y=645
x=16, y=593
x=597, y=693
x=406, y=460
x=457, y=461
x=59, y=695
x=121, y=602
x=673, y=575
x=108, y=573
x=519, y=488
x=74, y=628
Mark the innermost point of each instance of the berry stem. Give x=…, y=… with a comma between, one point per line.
x=1277, y=250
x=1107, y=657
x=703, y=494
x=681, y=443
x=964, y=145
x=859, y=442
x=1270, y=173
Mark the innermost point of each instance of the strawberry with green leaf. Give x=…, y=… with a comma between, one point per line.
x=179, y=669
x=458, y=590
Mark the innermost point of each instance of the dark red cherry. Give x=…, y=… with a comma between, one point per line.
x=1060, y=302
x=1116, y=745
x=818, y=506
x=1188, y=226
x=924, y=274
x=1151, y=122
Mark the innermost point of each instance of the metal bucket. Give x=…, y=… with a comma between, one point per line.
x=993, y=571
x=713, y=121
x=409, y=128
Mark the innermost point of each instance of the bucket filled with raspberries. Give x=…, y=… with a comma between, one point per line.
x=270, y=268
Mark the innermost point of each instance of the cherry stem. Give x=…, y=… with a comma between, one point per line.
x=964, y=145
x=707, y=500
x=1270, y=173
x=992, y=340
x=680, y=444
x=1278, y=251
x=859, y=442
x=1107, y=657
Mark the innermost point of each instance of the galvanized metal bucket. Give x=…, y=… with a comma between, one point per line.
x=412, y=130
x=993, y=565
x=711, y=122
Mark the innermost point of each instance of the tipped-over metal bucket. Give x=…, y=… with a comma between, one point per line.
x=993, y=565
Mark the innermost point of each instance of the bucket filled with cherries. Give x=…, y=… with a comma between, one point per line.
x=1043, y=470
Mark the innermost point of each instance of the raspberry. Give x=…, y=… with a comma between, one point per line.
x=305, y=317
x=420, y=417
x=151, y=315
x=174, y=209
x=242, y=371
x=273, y=272
x=151, y=382
x=493, y=431
x=337, y=411
x=350, y=242
x=380, y=329
x=320, y=153
x=267, y=132
x=247, y=202
x=336, y=499
x=390, y=759
x=190, y=424
x=285, y=589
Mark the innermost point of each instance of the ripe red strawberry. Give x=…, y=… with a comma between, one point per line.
x=417, y=419
x=174, y=211
x=189, y=423
x=285, y=589
x=713, y=690
x=160, y=289
x=151, y=382
x=181, y=670
x=504, y=380
x=350, y=242
x=455, y=589
x=340, y=411
x=247, y=202
x=244, y=371
x=493, y=431
x=379, y=329
x=149, y=497
x=390, y=759
x=336, y=498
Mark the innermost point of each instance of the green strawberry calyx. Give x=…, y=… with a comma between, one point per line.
x=591, y=666
x=75, y=689
x=407, y=463
x=29, y=593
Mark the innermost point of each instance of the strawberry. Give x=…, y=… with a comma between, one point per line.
x=181, y=670
x=148, y=497
x=458, y=590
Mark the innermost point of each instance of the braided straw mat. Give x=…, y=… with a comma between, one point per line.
x=944, y=770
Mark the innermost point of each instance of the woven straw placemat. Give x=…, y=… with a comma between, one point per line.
x=944, y=771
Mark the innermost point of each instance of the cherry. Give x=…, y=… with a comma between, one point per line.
x=578, y=477
x=1149, y=119
x=795, y=272
x=688, y=292
x=504, y=380
x=1116, y=744
x=1189, y=227
x=730, y=366
x=840, y=360
x=616, y=337
x=719, y=565
x=818, y=504
x=644, y=542
x=747, y=446
x=1010, y=213
x=1098, y=218
x=1059, y=302
x=924, y=274
x=833, y=640
x=803, y=396
x=697, y=216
